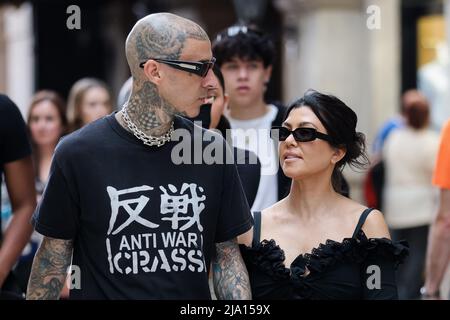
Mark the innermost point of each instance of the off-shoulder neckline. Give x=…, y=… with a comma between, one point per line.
x=271, y=257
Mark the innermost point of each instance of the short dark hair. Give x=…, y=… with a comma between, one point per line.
x=340, y=122
x=415, y=108
x=417, y=116
x=244, y=42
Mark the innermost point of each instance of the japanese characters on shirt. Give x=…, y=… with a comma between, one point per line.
x=177, y=250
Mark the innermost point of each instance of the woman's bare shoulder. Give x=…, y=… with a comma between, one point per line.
x=267, y=216
x=375, y=226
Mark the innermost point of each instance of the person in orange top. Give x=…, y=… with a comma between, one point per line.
x=438, y=254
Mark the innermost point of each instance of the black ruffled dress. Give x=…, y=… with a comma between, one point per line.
x=356, y=268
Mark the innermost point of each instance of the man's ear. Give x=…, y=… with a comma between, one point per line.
x=226, y=100
x=152, y=71
x=267, y=74
x=338, y=154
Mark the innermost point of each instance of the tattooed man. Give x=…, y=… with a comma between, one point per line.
x=132, y=220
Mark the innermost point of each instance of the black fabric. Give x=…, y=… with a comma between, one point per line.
x=249, y=169
x=11, y=289
x=284, y=183
x=164, y=253
x=203, y=119
x=334, y=270
x=378, y=177
x=14, y=144
x=247, y=162
x=223, y=126
x=256, y=228
x=361, y=221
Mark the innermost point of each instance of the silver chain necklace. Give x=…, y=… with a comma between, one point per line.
x=145, y=138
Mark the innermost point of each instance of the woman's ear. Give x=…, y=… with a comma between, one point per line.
x=338, y=154
x=152, y=71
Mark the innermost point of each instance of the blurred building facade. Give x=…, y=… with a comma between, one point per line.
x=364, y=51
x=331, y=45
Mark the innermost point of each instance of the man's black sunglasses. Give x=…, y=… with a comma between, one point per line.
x=299, y=134
x=200, y=68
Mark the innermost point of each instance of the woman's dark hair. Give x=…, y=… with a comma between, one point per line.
x=223, y=124
x=340, y=122
x=219, y=76
x=244, y=42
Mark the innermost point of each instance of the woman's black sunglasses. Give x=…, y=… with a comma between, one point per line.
x=299, y=134
x=200, y=68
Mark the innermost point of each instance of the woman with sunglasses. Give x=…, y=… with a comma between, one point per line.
x=316, y=243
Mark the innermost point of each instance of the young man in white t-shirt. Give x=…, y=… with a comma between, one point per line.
x=245, y=58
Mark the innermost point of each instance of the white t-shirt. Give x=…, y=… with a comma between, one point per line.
x=410, y=200
x=254, y=135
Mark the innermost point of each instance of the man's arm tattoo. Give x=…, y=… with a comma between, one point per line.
x=230, y=275
x=49, y=269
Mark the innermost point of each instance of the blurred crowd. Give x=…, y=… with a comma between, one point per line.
x=49, y=118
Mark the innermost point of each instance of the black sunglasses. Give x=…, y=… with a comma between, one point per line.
x=200, y=68
x=299, y=134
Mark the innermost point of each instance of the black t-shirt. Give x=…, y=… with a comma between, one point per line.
x=14, y=144
x=143, y=226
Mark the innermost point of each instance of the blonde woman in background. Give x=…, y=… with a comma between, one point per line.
x=89, y=100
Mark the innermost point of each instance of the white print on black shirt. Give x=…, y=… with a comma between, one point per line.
x=175, y=205
x=134, y=214
x=178, y=250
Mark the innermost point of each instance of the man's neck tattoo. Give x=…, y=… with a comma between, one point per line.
x=145, y=138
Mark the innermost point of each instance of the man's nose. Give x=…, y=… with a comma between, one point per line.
x=243, y=73
x=210, y=81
